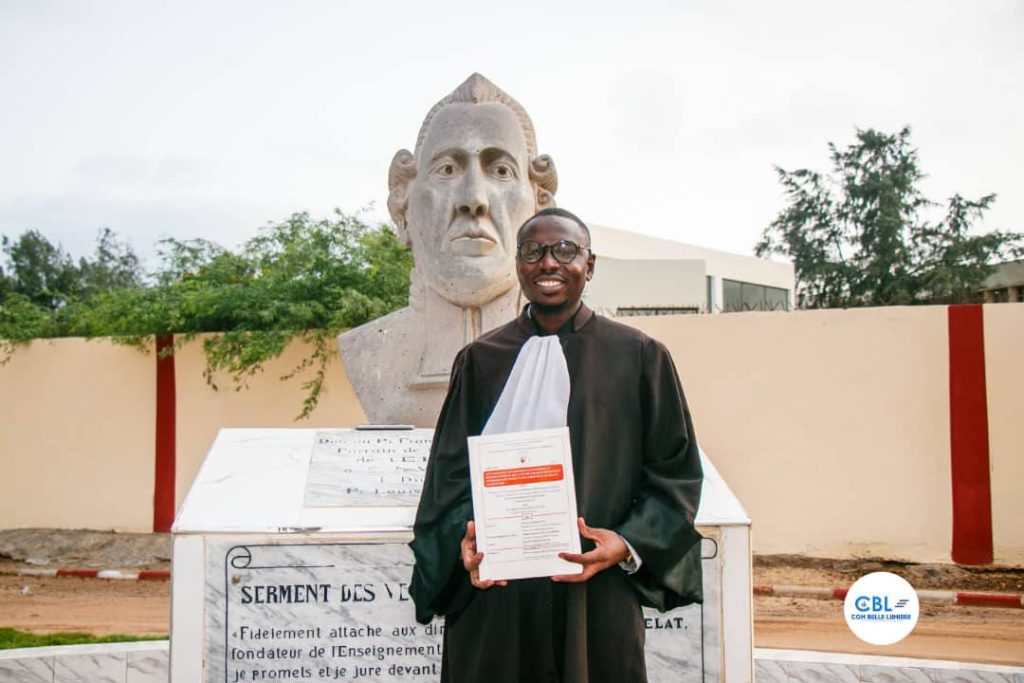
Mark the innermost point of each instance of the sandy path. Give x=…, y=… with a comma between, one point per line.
x=968, y=634
x=92, y=605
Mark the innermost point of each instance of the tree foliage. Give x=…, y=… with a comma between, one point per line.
x=300, y=279
x=860, y=235
x=49, y=277
x=42, y=284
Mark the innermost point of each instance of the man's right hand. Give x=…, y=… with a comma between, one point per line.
x=471, y=559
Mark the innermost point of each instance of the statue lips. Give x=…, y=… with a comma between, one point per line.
x=472, y=238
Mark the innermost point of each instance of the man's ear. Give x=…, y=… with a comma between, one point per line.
x=591, y=261
x=401, y=173
x=545, y=179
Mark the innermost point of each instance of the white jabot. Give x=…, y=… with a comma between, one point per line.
x=536, y=395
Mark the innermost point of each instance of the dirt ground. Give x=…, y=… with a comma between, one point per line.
x=968, y=634
x=972, y=634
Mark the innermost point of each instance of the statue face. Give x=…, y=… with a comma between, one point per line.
x=471, y=193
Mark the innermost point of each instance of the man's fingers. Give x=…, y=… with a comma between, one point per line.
x=471, y=530
x=472, y=561
x=483, y=584
x=475, y=559
x=581, y=558
x=585, y=531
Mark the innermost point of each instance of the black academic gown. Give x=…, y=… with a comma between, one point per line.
x=637, y=472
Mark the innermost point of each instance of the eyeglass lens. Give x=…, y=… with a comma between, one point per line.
x=564, y=251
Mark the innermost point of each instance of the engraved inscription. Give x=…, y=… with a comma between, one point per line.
x=342, y=612
x=364, y=468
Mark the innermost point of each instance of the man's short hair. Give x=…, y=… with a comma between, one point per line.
x=560, y=213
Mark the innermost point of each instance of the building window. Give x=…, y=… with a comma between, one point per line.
x=746, y=296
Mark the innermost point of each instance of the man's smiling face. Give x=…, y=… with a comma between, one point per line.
x=549, y=284
x=472, y=189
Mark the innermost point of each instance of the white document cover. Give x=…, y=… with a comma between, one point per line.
x=524, y=502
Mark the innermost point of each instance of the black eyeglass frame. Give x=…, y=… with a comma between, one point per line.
x=545, y=248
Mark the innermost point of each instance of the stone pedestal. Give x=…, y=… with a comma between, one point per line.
x=291, y=564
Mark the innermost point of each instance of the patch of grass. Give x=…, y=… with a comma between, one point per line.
x=12, y=638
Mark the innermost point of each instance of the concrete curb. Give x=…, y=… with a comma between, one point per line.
x=960, y=598
x=110, y=574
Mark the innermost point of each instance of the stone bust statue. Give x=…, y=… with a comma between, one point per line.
x=474, y=178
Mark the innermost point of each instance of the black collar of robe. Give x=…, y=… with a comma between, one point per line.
x=577, y=322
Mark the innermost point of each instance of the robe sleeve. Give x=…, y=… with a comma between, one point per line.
x=440, y=584
x=660, y=524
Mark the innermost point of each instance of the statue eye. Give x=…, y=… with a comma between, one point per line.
x=446, y=169
x=503, y=171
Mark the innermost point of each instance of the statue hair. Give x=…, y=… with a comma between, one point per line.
x=478, y=90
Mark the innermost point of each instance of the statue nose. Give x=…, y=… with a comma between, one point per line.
x=472, y=200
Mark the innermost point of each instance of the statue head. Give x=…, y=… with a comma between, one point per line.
x=474, y=178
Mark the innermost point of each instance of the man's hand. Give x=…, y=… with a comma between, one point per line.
x=471, y=559
x=609, y=550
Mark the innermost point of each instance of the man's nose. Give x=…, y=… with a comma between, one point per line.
x=548, y=262
x=472, y=197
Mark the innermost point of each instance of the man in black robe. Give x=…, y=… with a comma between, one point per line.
x=638, y=482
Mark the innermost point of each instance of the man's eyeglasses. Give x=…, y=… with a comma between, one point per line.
x=563, y=251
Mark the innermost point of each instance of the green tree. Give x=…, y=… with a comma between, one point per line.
x=22, y=320
x=859, y=236
x=40, y=271
x=49, y=277
x=299, y=279
x=114, y=265
x=302, y=279
x=42, y=286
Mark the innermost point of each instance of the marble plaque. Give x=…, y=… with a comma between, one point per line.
x=685, y=644
x=341, y=611
x=360, y=468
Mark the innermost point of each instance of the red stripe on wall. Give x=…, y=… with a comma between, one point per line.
x=968, y=431
x=163, y=483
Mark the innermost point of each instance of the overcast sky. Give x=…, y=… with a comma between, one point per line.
x=209, y=119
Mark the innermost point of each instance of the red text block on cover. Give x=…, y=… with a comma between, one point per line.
x=523, y=475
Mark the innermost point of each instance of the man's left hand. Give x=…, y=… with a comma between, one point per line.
x=609, y=550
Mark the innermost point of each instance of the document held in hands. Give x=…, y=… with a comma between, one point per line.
x=524, y=502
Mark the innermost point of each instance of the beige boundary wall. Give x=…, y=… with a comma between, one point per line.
x=1004, y=377
x=831, y=426
x=77, y=436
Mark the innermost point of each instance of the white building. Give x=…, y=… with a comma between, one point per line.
x=641, y=275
